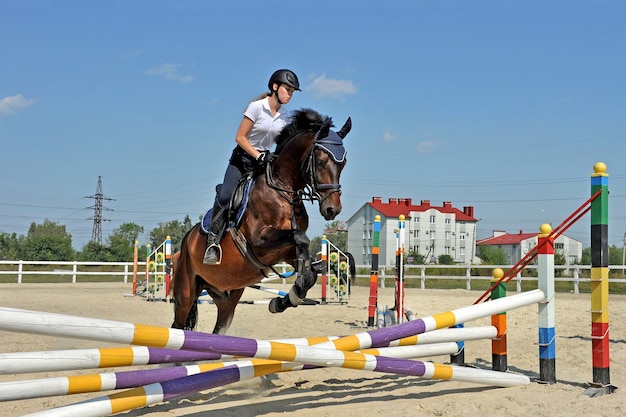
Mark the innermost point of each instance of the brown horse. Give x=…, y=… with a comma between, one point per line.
x=306, y=165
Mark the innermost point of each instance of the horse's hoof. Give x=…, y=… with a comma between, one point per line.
x=278, y=305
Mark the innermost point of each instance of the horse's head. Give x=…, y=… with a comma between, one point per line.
x=308, y=145
x=326, y=160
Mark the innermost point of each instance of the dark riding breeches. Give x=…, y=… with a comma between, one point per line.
x=240, y=163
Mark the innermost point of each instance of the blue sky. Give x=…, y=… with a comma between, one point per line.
x=500, y=105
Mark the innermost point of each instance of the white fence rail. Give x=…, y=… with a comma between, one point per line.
x=568, y=273
x=18, y=270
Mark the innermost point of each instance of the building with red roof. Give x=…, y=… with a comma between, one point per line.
x=516, y=245
x=429, y=230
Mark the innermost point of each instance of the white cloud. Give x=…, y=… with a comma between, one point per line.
x=389, y=137
x=14, y=104
x=425, y=146
x=330, y=87
x=170, y=72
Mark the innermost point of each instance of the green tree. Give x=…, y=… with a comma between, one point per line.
x=418, y=258
x=122, y=242
x=174, y=229
x=445, y=260
x=93, y=252
x=491, y=255
x=585, y=259
x=47, y=242
x=337, y=233
x=615, y=256
x=10, y=246
x=316, y=245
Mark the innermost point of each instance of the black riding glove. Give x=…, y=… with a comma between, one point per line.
x=263, y=159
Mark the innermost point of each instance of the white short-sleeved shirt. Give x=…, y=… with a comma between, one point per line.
x=265, y=127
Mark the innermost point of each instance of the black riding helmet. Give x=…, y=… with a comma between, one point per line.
x=284, y=76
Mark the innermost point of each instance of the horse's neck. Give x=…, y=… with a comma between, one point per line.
x=287, y=168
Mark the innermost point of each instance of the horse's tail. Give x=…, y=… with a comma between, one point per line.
x=352, y=266
x=175, y=259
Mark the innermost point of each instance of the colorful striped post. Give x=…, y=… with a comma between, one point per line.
x=325, y=273
x=147, y=265
x=498, y=344
x=400, y=273
x=168, y=264
x=373, y=299
x=458, y=357
x=547, y=320
x=135, y=266
x=600, y=282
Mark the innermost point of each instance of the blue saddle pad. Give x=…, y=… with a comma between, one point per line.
x=205, y=224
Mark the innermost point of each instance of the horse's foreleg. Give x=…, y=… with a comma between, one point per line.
x=226, y=303
x=306, y=277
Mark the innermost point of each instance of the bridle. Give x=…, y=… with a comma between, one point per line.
x=310, y=192
x=312, y=188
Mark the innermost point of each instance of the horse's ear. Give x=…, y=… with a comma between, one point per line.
x=345, y=129
x=323, y=132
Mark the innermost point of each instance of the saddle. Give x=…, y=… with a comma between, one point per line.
x=238, y=204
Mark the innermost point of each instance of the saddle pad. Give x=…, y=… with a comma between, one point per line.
x=205, y=224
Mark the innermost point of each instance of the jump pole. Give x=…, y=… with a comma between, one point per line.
x=600, y=346
x=373, y=299
x=80, y=384
x=54, y=324
x=65, y=360
x=164, y=391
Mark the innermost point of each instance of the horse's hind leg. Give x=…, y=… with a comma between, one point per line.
x=185, y=295
x=225, y=303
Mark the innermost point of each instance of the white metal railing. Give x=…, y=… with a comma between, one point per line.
x=125, y=270
x=23, y=269
x=570, y=273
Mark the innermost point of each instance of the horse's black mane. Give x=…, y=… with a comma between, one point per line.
x=304, y=120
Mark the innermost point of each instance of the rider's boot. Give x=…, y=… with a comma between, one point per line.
x=213, y=254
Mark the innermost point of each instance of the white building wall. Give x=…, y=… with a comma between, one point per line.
x=431, y=233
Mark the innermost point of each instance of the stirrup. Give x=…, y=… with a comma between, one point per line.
x=213, y=255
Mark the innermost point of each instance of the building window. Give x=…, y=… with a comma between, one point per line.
x=432, y=235
x=432, y=219
x=559, y=246
x=462, y=236
x=416, y=233
x=448, y=221
x=462, y=251
x=448, y=234
x=447, y=250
